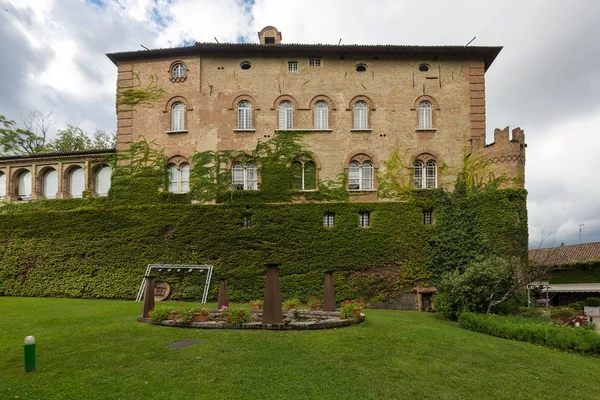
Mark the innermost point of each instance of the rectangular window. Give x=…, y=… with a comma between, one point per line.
x=293, y=67
x=329, y=219
x=246, y=220
x=427, y=217
x=364, y=219
x=314, y=62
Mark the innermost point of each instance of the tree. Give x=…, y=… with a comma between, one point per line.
x=104, y=140
x=70, y=139
x=15, y=140
x=481, y=286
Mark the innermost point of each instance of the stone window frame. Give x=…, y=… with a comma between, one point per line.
x=14, y=183
x=243, y=159
x=3, y=186
x=94, y=170
x=425, y=158
x=168, y=110
x=370, y=109
x=360, y=157
x=434, y=109
x=330, y=108
x=40, y=181
x=67, y=179
x=302, y=159
x=234, y=106
x=178, y=79
x=364, y=219
x=280, y=99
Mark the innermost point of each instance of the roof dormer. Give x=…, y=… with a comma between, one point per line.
x=269, y=35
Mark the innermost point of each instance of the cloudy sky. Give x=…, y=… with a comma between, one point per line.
x=545, y=79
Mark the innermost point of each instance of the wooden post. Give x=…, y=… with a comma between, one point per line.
x=328, y=292
x=272, y=313
x=148, y=296
x=223, y=299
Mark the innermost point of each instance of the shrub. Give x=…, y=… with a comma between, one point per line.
x=350, y=309
x=556, y=312
x=581, y=304
x=575, y=306
x=159, y=314
x=579, y=340
x=290, y=304
x=236, y=315
x=257, y=303
x=313, y=302
x=186, y=315
x=531, y=312
x=593, y=302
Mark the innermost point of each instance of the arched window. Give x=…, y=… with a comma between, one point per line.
x=285, y=115
x=178, y=117
x=360, y=115
x=425, y=174
x=360, y=176
x=102, y=181
x=24, y=185
x=179, y=178
x=304, y=175
x=244, y=115
x=2, y=186
x=244, y=177
x=425, y=115
x=49, y=184
x=76, y=182
x=321, y=115
x=178, y=71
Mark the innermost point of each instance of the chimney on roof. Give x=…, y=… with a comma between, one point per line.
x=269, y=35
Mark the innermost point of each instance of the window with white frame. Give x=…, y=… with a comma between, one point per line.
x=24, y=185
x=286, y=115
x=102, y=180
x=244, y=115
x=425, y=174
x=179, y=178
x=314, y=62
x=244, y=176
x=178, y=71
x=49, y=184
x=425, y=121
x=360, y=115
x=360, y=176
x=293, y=67
x=321, y=115
x=427, y=217
x=329, y=219
x=304, y=175
x=76, y=182
x=364, y=219
x=178, y=117
x=2, y=185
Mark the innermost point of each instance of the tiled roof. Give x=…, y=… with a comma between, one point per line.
x=57, y=154
x=566, y=255
x=485, y=53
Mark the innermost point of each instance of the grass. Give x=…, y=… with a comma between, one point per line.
x=95, y=349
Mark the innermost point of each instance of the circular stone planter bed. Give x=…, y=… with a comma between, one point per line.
x=293, y=320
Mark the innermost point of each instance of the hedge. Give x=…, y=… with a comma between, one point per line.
x=579, y=340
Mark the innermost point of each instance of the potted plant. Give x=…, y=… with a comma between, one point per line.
x=159, y=314
x=235, y=315
x=257, y=304
x=350, y=309
x=200, y=314
x=173, y=313
x=291, y=304
x=314, y=303
x=185, y=316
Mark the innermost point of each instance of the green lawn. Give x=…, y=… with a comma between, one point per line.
x=95, y=349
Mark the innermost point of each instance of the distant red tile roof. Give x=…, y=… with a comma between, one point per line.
x=565, y=255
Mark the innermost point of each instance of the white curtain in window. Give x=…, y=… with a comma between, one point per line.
x=173, y=179
x=360, y=115
x=418, y=174
x=430, y=175
x=285, y=115
x=321, y=115
x=251, y=177
x=244, y=115
x=50, y=184
x=425, y=115
x=2, y=185
x=353, y=176
x=178, y=117
x=76, y=183
x=102, y=180
x=367, y=176
x=237, y=171
x=185, y=178
x=24, y=185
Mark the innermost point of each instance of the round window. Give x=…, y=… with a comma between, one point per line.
x=246, y=65
x=361, y=68
x=424, y=68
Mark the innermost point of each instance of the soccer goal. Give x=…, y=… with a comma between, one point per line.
x=178, y=268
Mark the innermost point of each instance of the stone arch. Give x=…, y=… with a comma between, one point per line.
x=362, y=155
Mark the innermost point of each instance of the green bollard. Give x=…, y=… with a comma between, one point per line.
x=29, y=353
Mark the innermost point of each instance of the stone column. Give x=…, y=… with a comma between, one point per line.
x=328, y=293
x=148, y=296
x=223, y=300
x=272, y=313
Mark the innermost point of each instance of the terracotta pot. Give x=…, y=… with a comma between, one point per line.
x=355, y=313
x=197, y=317
x=173, y=314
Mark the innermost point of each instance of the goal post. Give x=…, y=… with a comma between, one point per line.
x=178, y=268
